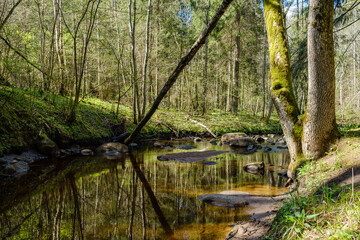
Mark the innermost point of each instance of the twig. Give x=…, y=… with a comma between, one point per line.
x=202, y=125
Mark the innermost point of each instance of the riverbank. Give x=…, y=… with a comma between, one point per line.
x=326, y=202
x=25, y=115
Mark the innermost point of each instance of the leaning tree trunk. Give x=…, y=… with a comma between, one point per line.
x=181, y=65
x=319, y=122
x=282, y=92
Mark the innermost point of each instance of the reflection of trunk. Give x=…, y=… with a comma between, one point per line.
x=57, y=217
x=133, y=205
x=165, y=225
x=143, y=211
x=77, y=212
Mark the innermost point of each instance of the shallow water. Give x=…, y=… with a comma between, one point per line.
x=135, y=196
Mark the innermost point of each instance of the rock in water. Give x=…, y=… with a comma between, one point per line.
x=190, y=156
x=186, y=147
x=231, y=136
x=242, y=142
x=86, y=152
x=209, y=163
x=254, y=168
x=19, y=167
x=45, y=145
x=231, y=199
x=213, y=142
x=112, y=146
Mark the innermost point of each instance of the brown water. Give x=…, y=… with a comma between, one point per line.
x=134, y=196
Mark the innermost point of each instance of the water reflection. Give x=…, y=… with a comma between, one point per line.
x=135, y=197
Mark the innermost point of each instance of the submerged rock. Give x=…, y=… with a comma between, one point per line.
x=190, y=156
x=230, y=199
x=210, y=163
x=186, y=147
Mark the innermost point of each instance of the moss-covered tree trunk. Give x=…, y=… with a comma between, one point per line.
x=307, y=136
x=280, y=73
x=319, y=122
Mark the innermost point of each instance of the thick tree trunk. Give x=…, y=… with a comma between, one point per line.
x=319, y=123
x=282, y=92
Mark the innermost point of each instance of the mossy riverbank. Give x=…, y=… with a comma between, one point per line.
x=326, y=201
x=25, y=113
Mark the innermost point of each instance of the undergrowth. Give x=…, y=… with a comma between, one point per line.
x=320, y=208
x=330, y=213
x=24, y=113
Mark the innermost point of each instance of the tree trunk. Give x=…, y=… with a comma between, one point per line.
x=263, y=77
x=147, y=43
x=320, y=127
x=311, y=134
x=282, y=92
x=236, y=84
x=206, y=65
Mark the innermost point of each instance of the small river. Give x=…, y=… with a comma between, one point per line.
x=135, y=196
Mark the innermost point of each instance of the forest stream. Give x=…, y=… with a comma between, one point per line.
x=136, y=196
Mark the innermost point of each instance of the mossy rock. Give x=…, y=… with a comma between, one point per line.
x=112, y=146
x=45, y=145
x=231, y=136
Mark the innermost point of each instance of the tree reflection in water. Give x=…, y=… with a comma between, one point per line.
x=134, y=197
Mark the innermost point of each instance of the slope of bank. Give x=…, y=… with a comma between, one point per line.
x=26, y=115
x=326, y=202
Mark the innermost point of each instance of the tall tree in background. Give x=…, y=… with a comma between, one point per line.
x=236, y=78
x=299, y=130
x=89, y=11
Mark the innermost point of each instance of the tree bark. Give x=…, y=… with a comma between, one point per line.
x=181, y=65
x=282, y=92
x=236, y=83
x=147, y=43
x=319, y=123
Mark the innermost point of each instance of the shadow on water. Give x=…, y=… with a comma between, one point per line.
x=133, y=196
